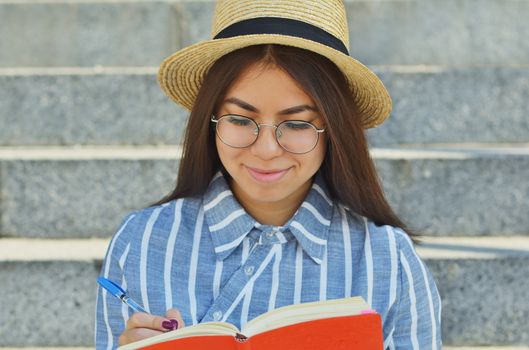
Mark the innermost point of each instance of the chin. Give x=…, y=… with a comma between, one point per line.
x=260, y=191
x=266, y=198
x=266, y=192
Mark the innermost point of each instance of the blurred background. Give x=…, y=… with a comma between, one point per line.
x=86, y=135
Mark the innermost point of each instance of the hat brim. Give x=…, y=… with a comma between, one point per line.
x=180, y=75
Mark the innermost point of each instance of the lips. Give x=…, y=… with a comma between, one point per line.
x=267, y=175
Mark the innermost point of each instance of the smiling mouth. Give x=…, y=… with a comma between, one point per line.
x=267, y=175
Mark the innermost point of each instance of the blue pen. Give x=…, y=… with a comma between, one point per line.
x=118, y=292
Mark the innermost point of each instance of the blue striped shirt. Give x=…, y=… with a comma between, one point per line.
x=213, y=262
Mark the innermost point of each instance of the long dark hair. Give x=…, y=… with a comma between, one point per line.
x=348, y=168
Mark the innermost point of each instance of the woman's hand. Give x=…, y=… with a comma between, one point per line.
x=141, y=325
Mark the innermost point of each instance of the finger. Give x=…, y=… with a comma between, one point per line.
x=132, y=335
x=174, y=314
x=144, y=320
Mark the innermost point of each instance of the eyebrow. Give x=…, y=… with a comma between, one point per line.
x=249, y=107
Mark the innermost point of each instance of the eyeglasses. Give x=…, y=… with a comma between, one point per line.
x=294, y=136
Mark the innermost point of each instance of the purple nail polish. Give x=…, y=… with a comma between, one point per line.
x=171, y=324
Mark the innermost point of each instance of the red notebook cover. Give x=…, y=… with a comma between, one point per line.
x=363, y=332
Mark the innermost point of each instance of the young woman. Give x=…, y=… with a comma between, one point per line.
x=277, y=200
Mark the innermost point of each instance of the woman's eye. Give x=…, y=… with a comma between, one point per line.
x=239, y=121
x=297, y=125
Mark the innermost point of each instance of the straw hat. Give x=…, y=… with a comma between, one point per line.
x=316, y=25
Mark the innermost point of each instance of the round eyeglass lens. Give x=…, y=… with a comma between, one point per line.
x=297, y=136
x=237, y=131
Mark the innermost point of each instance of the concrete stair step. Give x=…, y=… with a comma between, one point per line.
x=71, y=33
x=483, y=283
x=79, y=192
x=453, y=32
x=457, y=189
x=65, y=106
x=124, y=105
x=434, y=104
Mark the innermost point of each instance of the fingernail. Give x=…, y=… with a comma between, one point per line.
x=367, y=312
x=170, y=325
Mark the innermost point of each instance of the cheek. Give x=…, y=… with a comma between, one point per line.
x=228, y=155
x=319, y=153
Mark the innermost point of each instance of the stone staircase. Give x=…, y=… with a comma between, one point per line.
x=86, y=135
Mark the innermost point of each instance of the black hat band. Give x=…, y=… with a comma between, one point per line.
x=284, y=26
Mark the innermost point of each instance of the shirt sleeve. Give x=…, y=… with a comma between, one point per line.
x=418, y=321
x=111, y=313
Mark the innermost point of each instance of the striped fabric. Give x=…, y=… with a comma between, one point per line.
x=213, y=262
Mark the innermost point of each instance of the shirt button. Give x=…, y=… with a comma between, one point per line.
x=271, y=234
x=217, y=315
x=248, y=270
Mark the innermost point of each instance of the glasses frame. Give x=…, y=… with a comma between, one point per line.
x=275, y=126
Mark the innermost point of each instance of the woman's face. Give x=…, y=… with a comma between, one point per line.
x=264, y=171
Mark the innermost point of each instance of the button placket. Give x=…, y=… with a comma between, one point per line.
x=235, y=284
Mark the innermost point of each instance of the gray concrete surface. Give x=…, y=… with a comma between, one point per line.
x=484, y=301
x=484, y=298
x=74, y=33
x=48, y=303
x=446, y=105
x=77, y=197
x=69, y=106
x=466, y=191
x=65, y=106
x=451, y=32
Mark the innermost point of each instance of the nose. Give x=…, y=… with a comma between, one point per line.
x=266, y=146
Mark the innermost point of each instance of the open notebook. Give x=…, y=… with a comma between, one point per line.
x=345, y=323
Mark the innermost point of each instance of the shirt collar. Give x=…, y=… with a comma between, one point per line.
x=229, y=223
